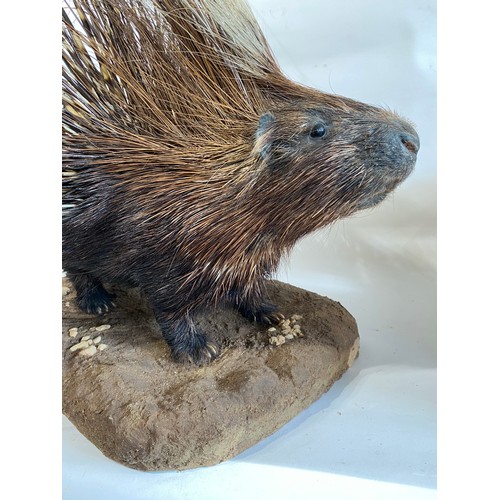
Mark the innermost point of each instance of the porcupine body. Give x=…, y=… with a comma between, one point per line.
x=191, y=164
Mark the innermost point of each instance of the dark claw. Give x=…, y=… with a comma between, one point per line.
x=198, y=356
x=273, y=318
x=96, y=302
x=266, y=313
x=213, y=348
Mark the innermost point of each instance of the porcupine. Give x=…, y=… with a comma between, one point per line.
x=191, y=164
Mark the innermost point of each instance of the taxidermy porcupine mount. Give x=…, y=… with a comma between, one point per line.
x=180, y=137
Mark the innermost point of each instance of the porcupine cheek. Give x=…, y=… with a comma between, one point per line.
x=390, y=158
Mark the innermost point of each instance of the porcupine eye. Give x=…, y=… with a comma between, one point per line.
x=317, y=131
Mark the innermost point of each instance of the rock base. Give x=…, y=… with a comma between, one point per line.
x=123, y=392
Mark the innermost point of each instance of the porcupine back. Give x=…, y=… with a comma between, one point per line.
x=161, y=75
x=164, y=97
x=191, y=164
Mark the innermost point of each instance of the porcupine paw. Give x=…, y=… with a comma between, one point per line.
x=188, y=345
x=197, y=351
x=266, y=313
x=96, y=301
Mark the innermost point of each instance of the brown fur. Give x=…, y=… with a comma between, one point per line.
x=190, y=164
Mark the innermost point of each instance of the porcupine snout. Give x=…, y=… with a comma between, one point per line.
x=392, y=153
x=402, y=143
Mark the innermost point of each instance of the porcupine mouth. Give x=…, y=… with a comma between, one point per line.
x=369, y=200
x=372, y=201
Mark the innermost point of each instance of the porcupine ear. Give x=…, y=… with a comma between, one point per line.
x=262, y=142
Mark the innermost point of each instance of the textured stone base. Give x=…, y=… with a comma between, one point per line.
x=145, y=411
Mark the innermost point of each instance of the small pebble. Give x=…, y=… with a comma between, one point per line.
x=101, y=347
x=288, y=330
x=73, y=332
x=65, y=290
x=89, y=351
x=81, y=345
x=102, y=328
x=97, y=339
x=87, y=337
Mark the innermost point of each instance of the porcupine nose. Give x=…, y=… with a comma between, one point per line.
x=410, y=141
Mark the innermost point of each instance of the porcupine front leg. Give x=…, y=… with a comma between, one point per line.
x=91, y=296
x=187, y=343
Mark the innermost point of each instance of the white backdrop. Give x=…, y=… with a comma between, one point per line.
x=373, y=434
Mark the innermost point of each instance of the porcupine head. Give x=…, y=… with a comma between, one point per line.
x=191, y=164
